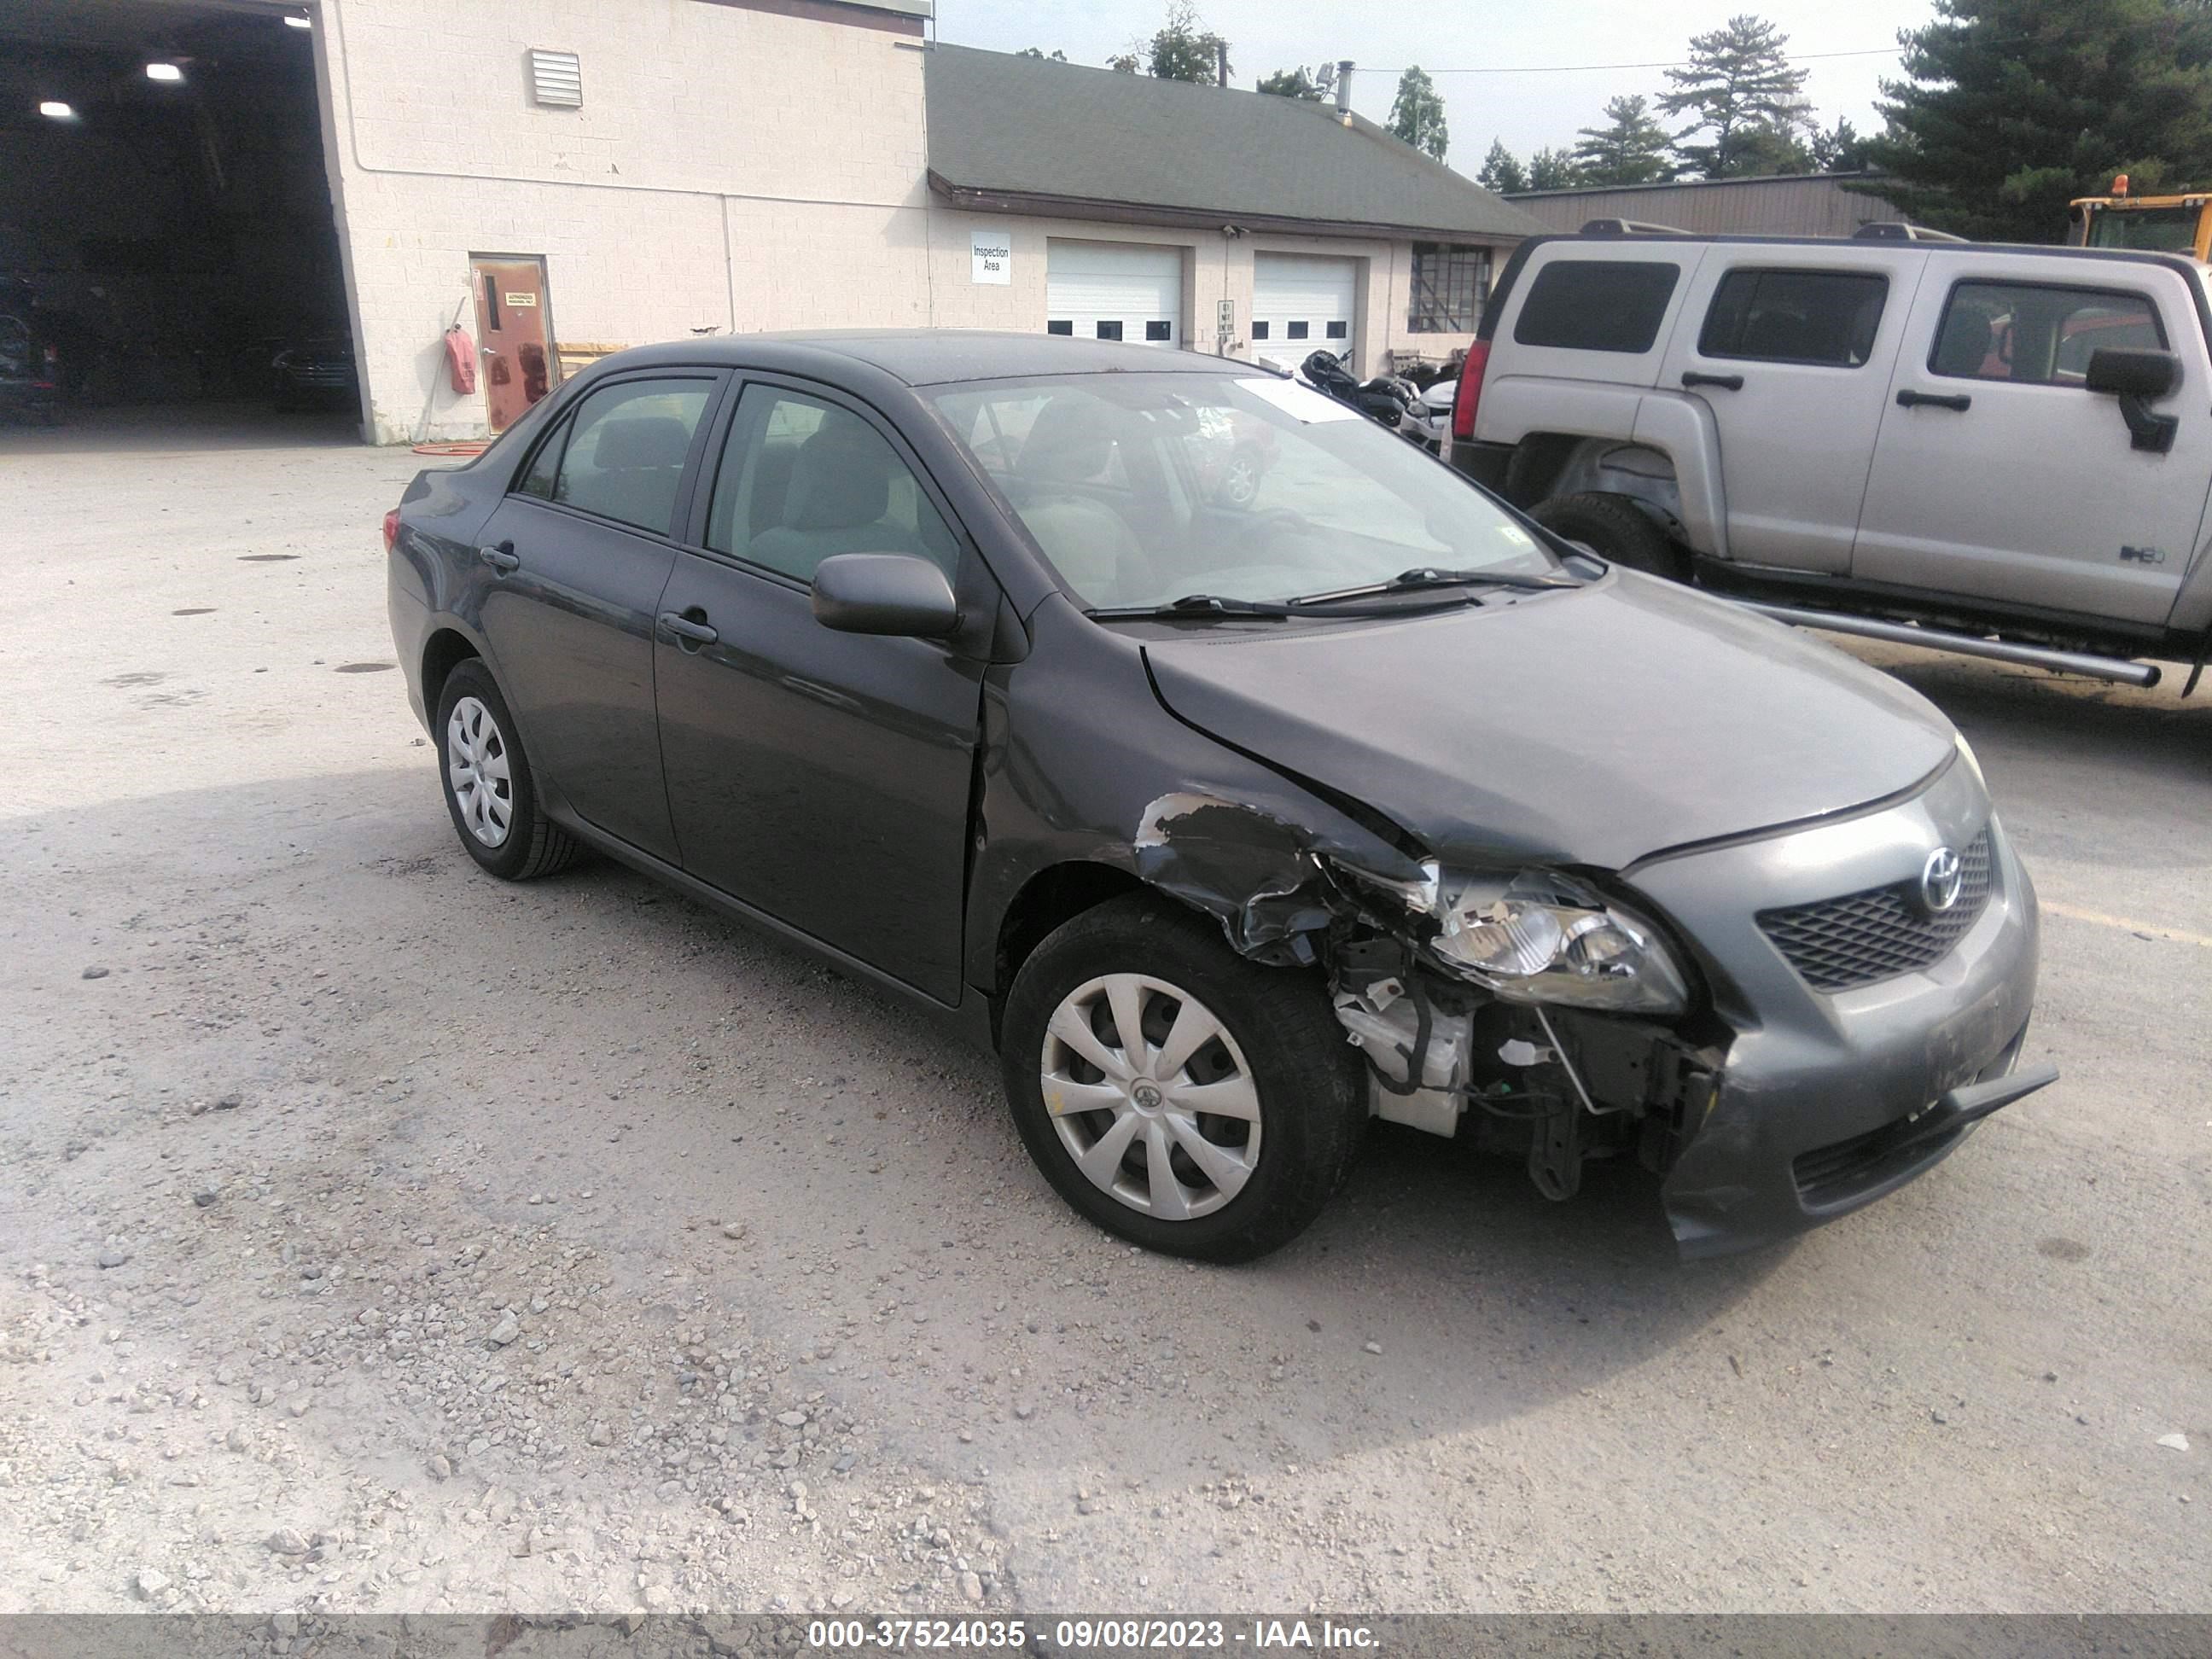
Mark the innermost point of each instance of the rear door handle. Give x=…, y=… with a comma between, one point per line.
x=686, y=628
x=1691, y=377
x=501, y=558
x=1909, y=399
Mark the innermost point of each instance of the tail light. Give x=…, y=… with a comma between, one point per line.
x=391, y=529
x=1469, y=395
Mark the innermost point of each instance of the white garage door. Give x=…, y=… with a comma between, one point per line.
x=1301, y=303
x=1114, y=291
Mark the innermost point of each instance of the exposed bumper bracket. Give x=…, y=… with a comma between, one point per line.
x=1970, y=1102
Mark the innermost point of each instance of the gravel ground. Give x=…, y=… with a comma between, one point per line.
x=375, y=1237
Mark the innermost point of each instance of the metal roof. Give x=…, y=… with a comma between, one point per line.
x=1029, y=135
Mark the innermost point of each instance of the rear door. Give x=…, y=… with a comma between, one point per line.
x=1999, y=476
x=823, y=778
x=574, y=559
x=1789, y=347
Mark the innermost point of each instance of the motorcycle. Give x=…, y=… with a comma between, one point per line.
x=1390, y=400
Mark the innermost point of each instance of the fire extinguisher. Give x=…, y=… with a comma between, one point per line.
x=461, y=359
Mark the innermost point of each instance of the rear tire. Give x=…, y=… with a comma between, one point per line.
x=1616, y=530
x=1274, y=1059
x=490, y=791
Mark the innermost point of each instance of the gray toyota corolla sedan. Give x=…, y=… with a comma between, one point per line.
x=1231, y=816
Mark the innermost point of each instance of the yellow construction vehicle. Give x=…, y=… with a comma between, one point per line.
x=2162, y=224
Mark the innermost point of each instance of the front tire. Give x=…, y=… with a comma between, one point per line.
x=1615, y=529
x=1222, y=1125
x=490, y=789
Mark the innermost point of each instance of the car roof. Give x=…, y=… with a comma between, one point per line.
x=930, y=356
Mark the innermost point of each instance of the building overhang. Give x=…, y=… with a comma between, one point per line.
x=1042, y=205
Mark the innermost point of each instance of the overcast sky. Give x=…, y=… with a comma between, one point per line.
x=1527, y=110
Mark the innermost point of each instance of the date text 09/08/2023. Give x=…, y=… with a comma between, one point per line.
x=1087, y=1635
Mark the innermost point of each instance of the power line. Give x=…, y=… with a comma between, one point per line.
x=1581, y=69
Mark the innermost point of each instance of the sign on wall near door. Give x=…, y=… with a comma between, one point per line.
x=991, y=256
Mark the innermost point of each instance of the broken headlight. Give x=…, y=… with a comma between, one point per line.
x=1542, y=937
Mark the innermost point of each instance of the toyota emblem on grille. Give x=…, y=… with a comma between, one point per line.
x=1941, y=878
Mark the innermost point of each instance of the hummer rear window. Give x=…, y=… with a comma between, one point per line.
x=1597, y=305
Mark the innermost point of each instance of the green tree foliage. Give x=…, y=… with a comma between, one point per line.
x=1740, y=87
x=2009, y=107
x=1841, y=148
x=1416, y=114
x=1182, y=48
x=1292, y=83
x=1057, y=56
x=1124, y=63
x=1502, y=170
x=1629, y=148
x=1553, y=169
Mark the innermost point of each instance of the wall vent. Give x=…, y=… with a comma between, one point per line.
x=556, y=79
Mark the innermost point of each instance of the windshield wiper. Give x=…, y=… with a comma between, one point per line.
x=1195, y=605
x=1425, y=576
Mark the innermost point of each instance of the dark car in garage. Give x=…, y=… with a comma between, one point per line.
x=1230, y=826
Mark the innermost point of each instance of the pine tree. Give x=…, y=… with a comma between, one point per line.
x=1502, y=170
x=1739, y=84
x=2009, y=107
x=1631, y=149
x=1416, y=114
x=1841, y=148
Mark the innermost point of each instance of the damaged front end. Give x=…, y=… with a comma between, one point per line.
x=1553, y=1019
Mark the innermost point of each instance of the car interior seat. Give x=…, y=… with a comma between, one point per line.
x=1070, y=444
x=636, y=465
x=1965, y=344
x=837, y=500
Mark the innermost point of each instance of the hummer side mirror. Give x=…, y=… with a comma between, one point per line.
x=2136, y=377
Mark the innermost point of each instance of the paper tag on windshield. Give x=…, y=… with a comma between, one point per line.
x=1300, y=402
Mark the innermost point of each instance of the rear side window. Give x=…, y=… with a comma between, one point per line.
x=2033, y=334
x=1597, y=305
x=624, y=457
x=1823, y=317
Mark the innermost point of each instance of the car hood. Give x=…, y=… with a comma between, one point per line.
x=1592, y=727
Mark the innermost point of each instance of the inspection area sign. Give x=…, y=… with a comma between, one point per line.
x=990, y=255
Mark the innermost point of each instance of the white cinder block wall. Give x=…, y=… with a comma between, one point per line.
x=731, y=169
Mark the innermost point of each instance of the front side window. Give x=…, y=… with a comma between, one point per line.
x=1597, y=305
x=1824, y=317
x=2032, y=334
x=1450, y=286
x=802, y=480
x=1143, y=488
x=626, y=448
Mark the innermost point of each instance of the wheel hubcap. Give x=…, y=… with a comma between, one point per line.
x=477, y=770
x=1151, y=1095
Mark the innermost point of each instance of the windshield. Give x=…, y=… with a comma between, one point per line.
x=2158, y=230
x=1143, y=488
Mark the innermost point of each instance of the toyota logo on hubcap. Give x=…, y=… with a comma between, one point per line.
x=1941, y=878
x=1147, y=1095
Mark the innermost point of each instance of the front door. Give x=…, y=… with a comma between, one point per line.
x=514, y=335
x=2001, y=475
x=1791, y=349
x=823, y=778
x=575, y=561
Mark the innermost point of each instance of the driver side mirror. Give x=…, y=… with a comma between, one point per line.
x=2136, y=377
x=889, y=593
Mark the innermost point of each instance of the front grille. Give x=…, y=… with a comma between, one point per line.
x=1882, y=933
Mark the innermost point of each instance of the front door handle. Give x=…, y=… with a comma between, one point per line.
x=501, y=558
x=689, y=626
x=1909, y=399
x=1692, y=377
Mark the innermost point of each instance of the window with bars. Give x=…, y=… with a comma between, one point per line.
x=1450, y=286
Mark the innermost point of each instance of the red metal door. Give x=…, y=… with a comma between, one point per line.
x=514, y=335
